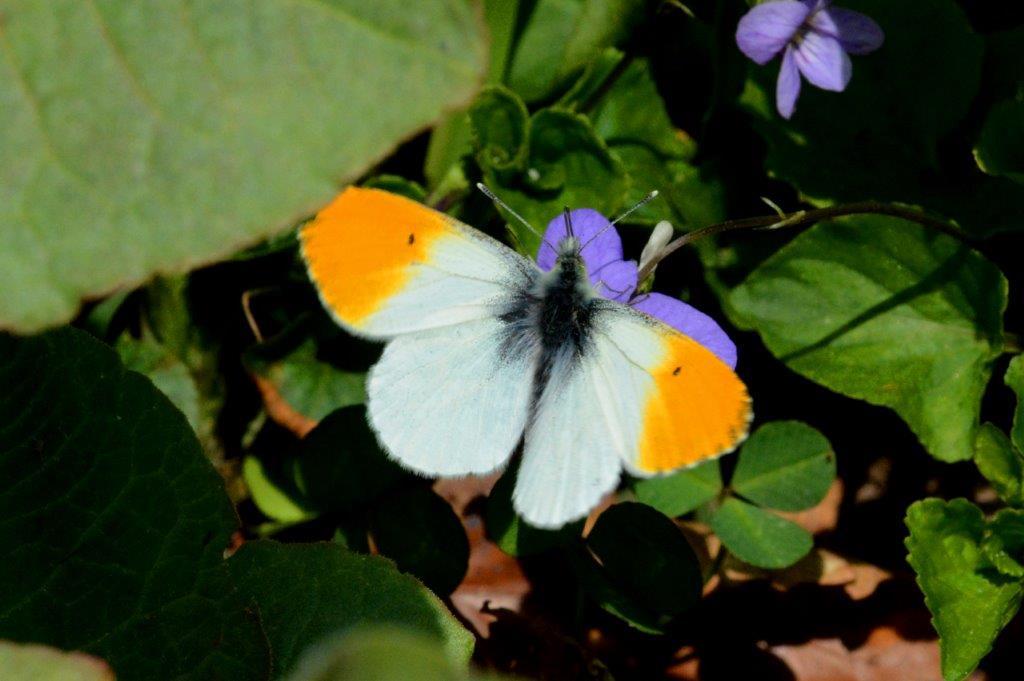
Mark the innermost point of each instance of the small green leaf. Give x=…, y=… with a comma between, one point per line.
x=305, y=592
x=378, y=653
x=340, y=465
x=199, y=129
x=1004, y=542
x=646, y=555
x=759, y=537
x=567, y=164
x=420, y=532
x=1000, y=148
x=969, y=605
x=271, y=496
x=500, y=126
x=886, y=311
x=682, y=492
x=600, y=587
x=511, y=533
x=34, y=662
x=1015, y=379
x=1000, y=463
x=785, y=465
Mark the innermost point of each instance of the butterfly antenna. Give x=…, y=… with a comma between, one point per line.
x=640, y=204
x=568, y=221
x=494, y=197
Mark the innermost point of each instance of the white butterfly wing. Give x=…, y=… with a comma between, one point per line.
x=451, y=393
x=385, y=265
x=452, y=401
x=640, y=395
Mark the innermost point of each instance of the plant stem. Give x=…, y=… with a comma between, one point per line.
x=805, y=217
x=608, y=83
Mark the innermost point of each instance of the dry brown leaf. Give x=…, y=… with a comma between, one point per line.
x=493, y=579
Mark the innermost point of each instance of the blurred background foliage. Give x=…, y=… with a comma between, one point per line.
x=155, y=160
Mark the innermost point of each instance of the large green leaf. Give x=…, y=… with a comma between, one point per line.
x=880, y=138
x=115, y=523
x=785, y=465
x=116, y=527
x=969, y=604
x=889, y=312
x=147, y=137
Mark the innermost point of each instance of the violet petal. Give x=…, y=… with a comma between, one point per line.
x=787, y=89
x=856, y=32
x=601, y=243
x=616, y=280
x=690, y=321
x=768, y=27
x=823, y=62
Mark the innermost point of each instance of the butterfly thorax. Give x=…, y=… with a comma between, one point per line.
x=564, y=295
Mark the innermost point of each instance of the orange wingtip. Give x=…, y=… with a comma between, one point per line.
x=697, y=409
x=359, y=249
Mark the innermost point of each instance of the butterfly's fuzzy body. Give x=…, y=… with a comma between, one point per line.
x=486, y=351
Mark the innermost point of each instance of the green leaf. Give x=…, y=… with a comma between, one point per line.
x=785, y=465
x=759, y=537
x=160, y=138
x=499, y=123
x=271, y=496
x=340, y=465
x=117, y=527
x=398, y=185
x=420, y=532
x=115, y=522
x=654, y=153
x=886, y=311
x=307, y=591
x=1000, y=148
x=679, y=493
x=1001, y=465
x=880, y=138
x=309, y=385
x=512, y=534
x=167, y=372
x=1015, y=379
x=560, y=36
x=33, y=662
x=969, y=604
x=1004, y=542
x=567, y=164
x=647, y=557
x=377, y=653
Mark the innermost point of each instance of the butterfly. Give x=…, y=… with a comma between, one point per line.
x=485, y=350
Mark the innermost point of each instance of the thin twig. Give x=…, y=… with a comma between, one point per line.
x=805, y=217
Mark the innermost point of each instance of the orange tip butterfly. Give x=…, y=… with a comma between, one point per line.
x=485, y=350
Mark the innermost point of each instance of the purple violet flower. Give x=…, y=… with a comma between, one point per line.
x=817, y=39
x=616, y=279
